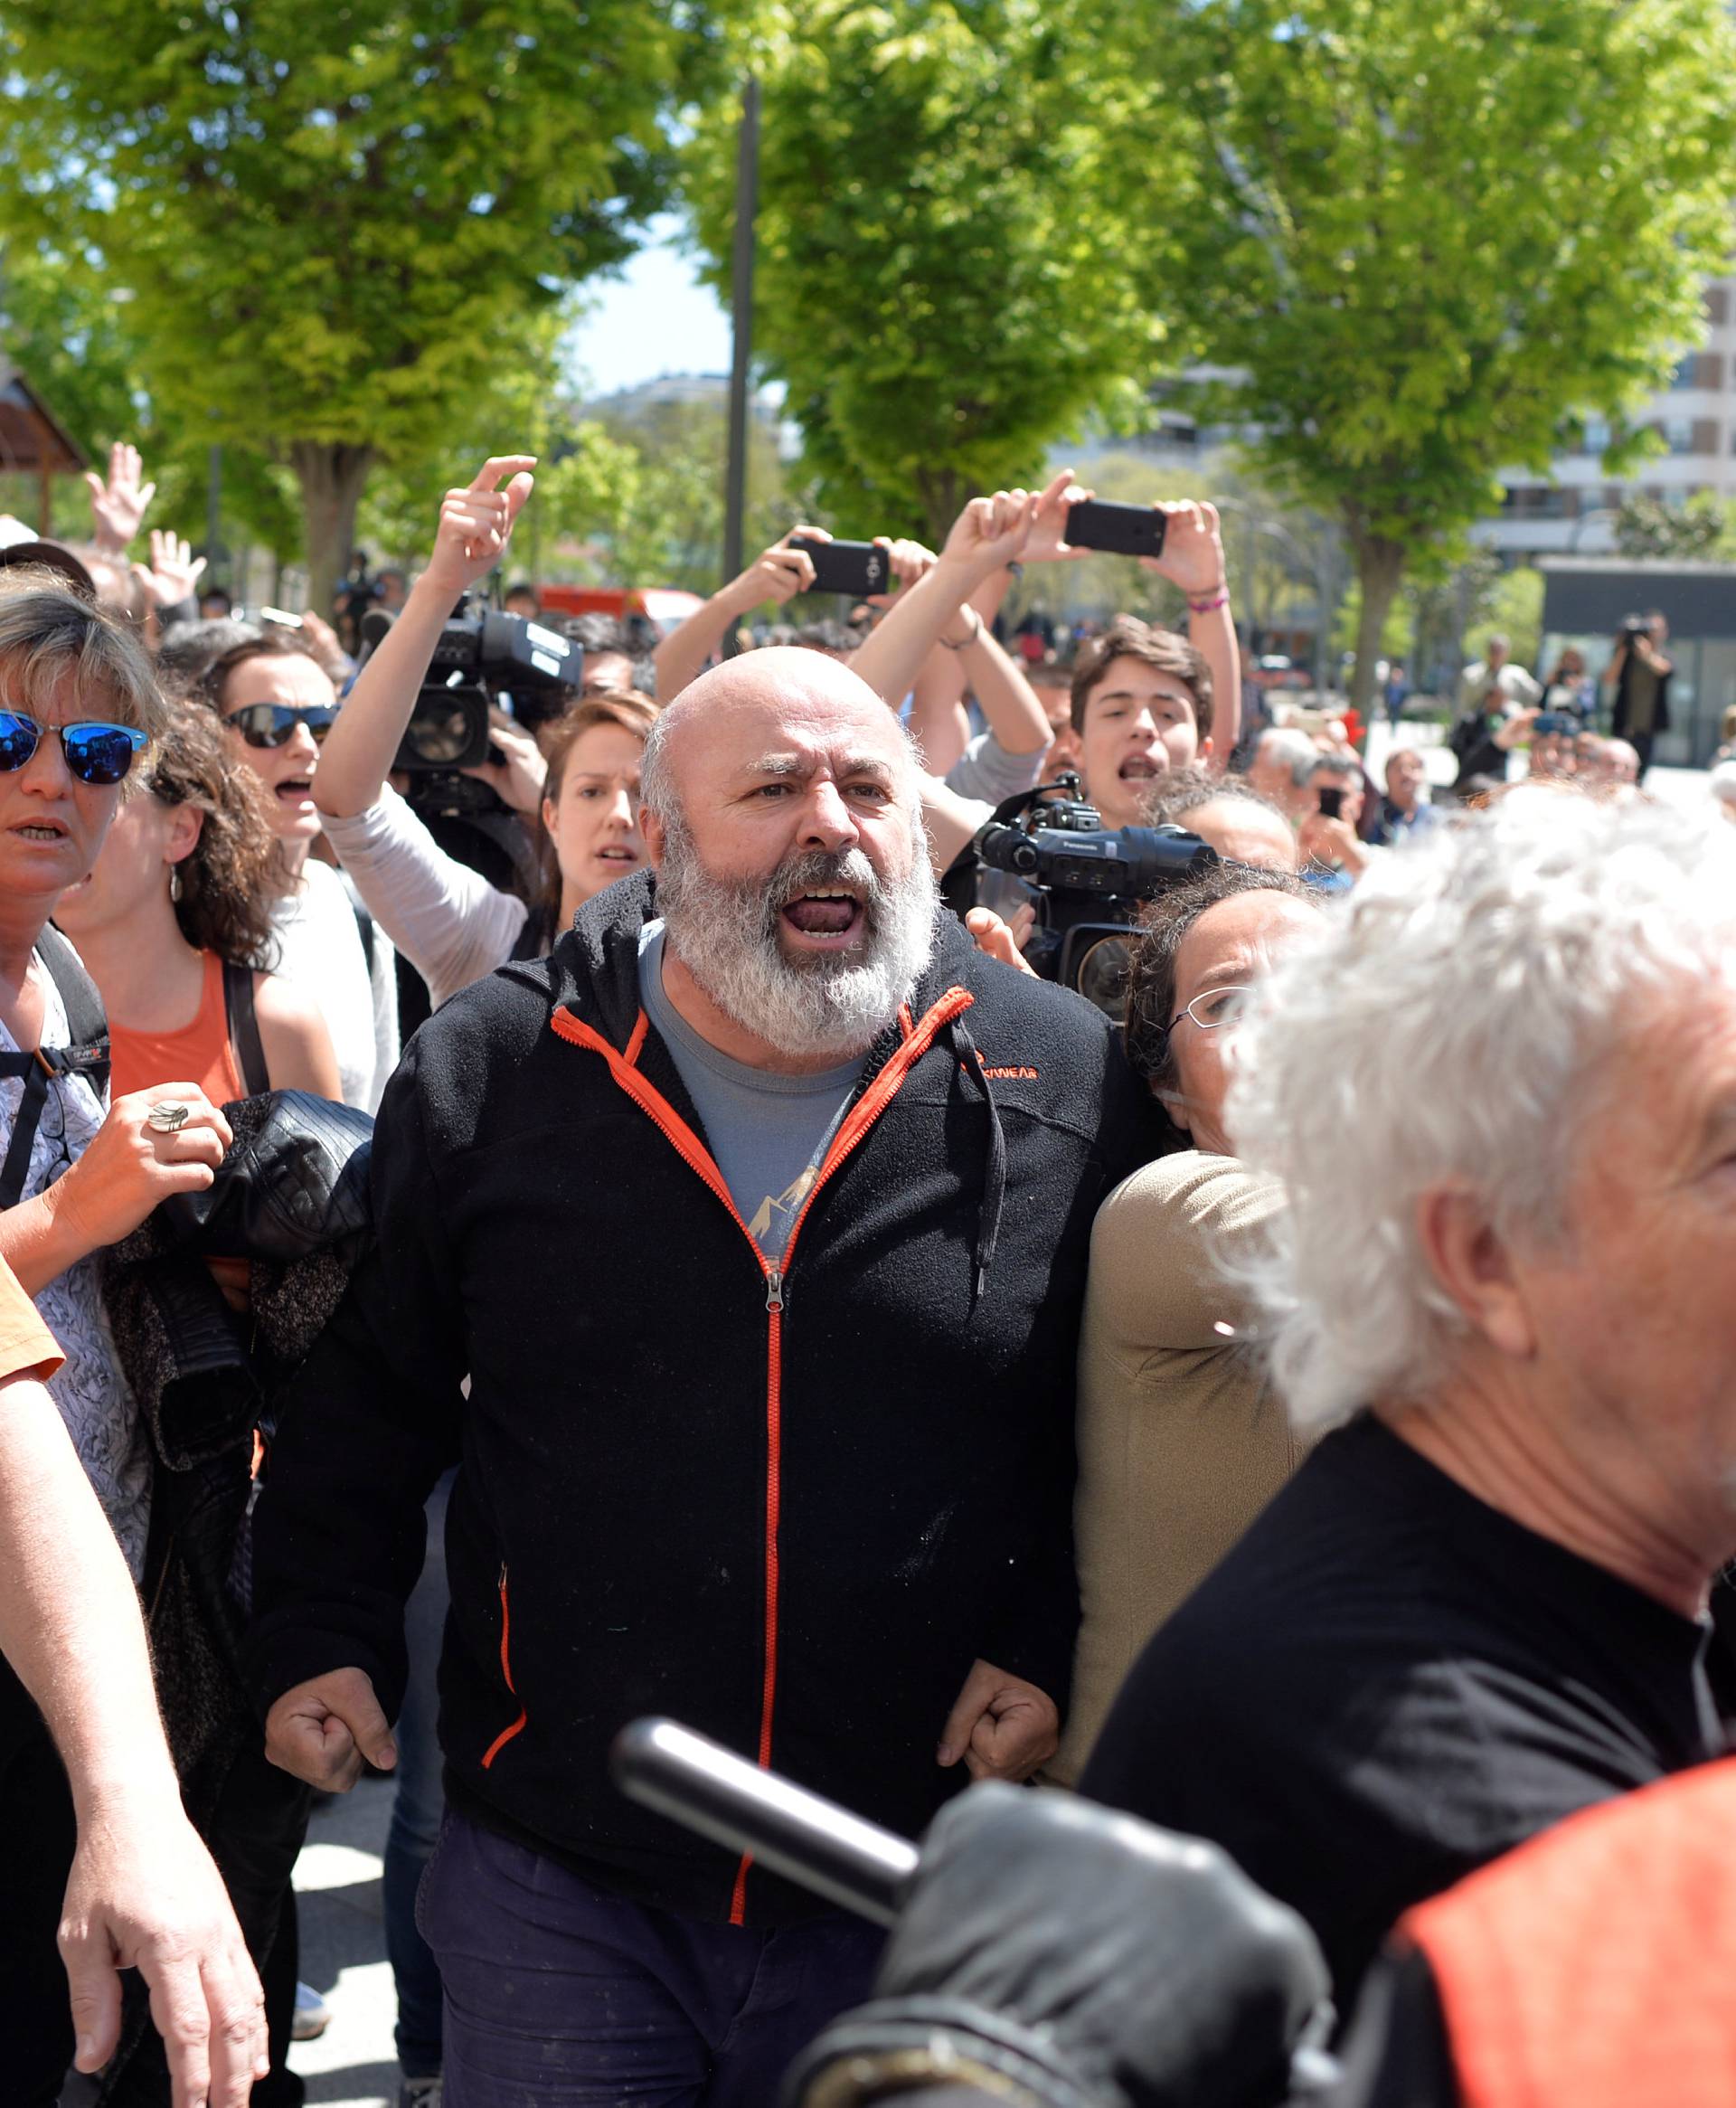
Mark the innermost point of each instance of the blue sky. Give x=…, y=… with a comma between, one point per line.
x=655, y=319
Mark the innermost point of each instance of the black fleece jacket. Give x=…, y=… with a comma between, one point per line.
x=788, y=1510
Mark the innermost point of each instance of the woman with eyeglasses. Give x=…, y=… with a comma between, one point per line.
x=1181, y=1443
x=78, y=1172
x=277, y=704
x=175, y=925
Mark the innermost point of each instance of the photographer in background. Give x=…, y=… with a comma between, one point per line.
x=1640, y=675
x=1332, y=854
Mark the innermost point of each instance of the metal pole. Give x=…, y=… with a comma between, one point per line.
x=214, y=516
x=747, y=201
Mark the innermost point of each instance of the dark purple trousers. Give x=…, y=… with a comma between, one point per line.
x=560, y=1995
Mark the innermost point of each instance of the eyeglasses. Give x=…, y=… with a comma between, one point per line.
x=1215, y=1006
x=95, y=753
x=273, y=725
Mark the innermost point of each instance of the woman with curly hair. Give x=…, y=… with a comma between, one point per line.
x=173, y=925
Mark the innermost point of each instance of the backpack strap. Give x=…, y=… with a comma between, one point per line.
x=244, y=1027
x=87, y=1025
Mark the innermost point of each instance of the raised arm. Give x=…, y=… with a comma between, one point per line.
x=476, y=527
x=988, y=534
x=938, y=721
x=1193, y=559
x=777, y=575
x=142, y=1893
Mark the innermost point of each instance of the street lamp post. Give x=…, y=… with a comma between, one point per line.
x=747, y=200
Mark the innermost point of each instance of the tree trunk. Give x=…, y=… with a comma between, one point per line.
x=1380, y=565
x=332, y=480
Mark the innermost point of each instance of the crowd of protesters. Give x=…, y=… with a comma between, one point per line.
x=676, y=1249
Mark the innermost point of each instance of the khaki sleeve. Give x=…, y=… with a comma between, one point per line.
x=1165, y=1243
x=27, y=1347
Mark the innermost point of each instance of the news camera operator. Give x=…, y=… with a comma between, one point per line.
x=1055, y=1954
x=1144, y=699
x=449, y=921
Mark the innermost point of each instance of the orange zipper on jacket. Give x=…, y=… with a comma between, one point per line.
x=517, y=1728
x=861, y=1116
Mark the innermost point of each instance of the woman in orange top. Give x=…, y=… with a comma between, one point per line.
x=175, y=927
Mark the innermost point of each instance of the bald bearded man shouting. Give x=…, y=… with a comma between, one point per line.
x=757, y=1215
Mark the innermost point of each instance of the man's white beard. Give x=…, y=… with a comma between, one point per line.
x=811, y=1005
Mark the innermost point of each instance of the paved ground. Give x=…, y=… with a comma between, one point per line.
x=344, y=1952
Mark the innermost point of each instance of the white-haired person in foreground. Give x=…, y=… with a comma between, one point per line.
x=1500, y=1088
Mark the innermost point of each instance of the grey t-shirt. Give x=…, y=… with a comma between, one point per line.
x=768, y=1133
x=985, y=770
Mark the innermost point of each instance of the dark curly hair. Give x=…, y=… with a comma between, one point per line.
x=1151, y=971
x=275, y=644
x=228, y=882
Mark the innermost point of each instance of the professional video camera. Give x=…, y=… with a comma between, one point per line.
x=1089, y=881
x=481, y=658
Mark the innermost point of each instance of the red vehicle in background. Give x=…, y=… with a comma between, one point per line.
x=665, y=608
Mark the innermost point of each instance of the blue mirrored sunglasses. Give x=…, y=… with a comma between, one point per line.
x=95, y=753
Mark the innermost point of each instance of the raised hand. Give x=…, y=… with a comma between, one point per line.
x=992, y=531
x=172, y=571
x=778, y=573
x=117, y=507
x=476, y=522
x=909, y=562
x=1192, y=555
x=1048, y=542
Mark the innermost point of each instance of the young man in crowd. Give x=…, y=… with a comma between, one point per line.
x=756, y=1218
x=1482, y=1602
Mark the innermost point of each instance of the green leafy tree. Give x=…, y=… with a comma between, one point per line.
x=332, y=228
x=1646, y=526
x=1414, y=236
x=644, y=493
x=60, y=322
x=938, y=280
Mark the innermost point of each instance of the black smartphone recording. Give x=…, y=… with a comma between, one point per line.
x=1331, y=802
x=857, y=568
x=1119, y=530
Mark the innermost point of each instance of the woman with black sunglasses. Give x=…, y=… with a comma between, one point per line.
x=277, y=703
x=78, y=709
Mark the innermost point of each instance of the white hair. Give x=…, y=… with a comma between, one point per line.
x=1455, y=1016
x=1296, y=751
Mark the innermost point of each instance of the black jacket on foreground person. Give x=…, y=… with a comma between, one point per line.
x=789, y=1510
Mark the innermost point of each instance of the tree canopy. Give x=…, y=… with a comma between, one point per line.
x=1414, y=236
x=938, y=281
x=334, y=224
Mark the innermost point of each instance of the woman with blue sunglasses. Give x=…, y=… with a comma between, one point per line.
x=78, y=707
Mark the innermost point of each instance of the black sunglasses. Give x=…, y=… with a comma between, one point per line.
x=95, y=753
x=272, y=724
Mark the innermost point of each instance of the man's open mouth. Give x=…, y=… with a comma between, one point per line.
x=825, y=911
x=1138, y=768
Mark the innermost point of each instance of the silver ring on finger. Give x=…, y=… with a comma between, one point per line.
x=169, y=1116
